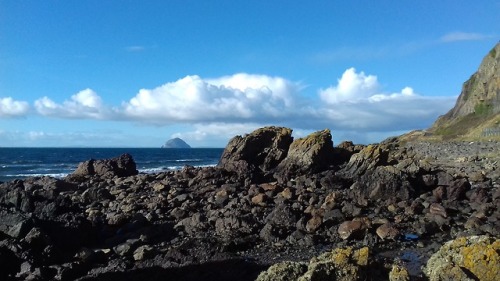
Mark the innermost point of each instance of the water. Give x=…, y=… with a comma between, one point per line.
x=18, y=163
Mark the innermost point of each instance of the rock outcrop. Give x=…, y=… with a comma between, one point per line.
x=311, y=154
x=466, y=258
x=121, y=166
x=176, y=143
x=344, y=264
x=384, y=209
x=257, y=153
x=374, y=205
x=477, y=109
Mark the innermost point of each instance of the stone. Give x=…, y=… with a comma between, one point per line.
x=387, y=231
x=329, y=202
x=283, y=271
x=351, y=229
x=257, y=153
x=121, y=166
x=438, y=209
x=367, y=159
x=339, y=264
x=457, y=189
x=399, y=273
x=313, y=224
x=144, y=252
x=473, y=257
x=21, y=229
x=259, y=199
x=311, y=154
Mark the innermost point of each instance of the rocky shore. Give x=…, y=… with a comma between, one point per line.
x=274, y=208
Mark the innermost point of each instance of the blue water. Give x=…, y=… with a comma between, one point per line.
x=18, y=163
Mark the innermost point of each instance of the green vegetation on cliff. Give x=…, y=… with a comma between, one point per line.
x=478, y=107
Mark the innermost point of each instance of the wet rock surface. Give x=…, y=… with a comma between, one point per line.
x=384, y=209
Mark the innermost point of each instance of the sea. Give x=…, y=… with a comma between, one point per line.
x=19, y=163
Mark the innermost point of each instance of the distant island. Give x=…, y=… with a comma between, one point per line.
x=176, y=143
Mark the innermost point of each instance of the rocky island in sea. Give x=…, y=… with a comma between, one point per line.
x=176, y=143
x=423, y=206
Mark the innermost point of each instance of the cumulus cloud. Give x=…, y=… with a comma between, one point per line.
x=13, y=108
x=86, y=104
x=231, y=98
x=351, y=87
x=220, y=108
x=463, y=36
x=356, y=102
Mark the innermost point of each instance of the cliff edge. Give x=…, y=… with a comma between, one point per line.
x=477, y=110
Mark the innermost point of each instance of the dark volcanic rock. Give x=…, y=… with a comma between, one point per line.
x=311, y=154
x=121, y=166
x=257, y=153
x=392, y=197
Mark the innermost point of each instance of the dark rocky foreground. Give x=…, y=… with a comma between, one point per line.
x=315, y=211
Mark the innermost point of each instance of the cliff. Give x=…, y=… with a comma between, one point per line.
x=476, y=112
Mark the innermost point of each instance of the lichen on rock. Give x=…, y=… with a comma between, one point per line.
x=474, y=257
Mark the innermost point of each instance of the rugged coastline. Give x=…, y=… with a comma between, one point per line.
x=414, y=207
x=377, y=212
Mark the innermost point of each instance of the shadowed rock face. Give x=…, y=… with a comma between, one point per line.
x=257, y=153
x=121, y=166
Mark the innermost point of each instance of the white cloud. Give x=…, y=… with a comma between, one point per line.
x=463, y=36
x=357, y=103
x=350, y=88
x=220, y=108
x=231, y=98
x=211, y=134
x=84, y=104
x=13, y=108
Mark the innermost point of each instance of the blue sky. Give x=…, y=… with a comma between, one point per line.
x=136, y=73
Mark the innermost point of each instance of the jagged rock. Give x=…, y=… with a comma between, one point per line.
x=339, y=264
x=367, y=159
x=384, y=183
x=257, y=153
x=121, y=166
x=144, y=252
x=466, y=258
x=310, y=154
x=283, y=271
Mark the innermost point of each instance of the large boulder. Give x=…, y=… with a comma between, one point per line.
x=121, y=166
x=312, y=154
x=339, y=264
x=367, y=159
x=383, y=183
x=466, y=258
x=258, y=153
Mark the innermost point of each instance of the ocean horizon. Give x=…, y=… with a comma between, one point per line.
x=23, y=162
